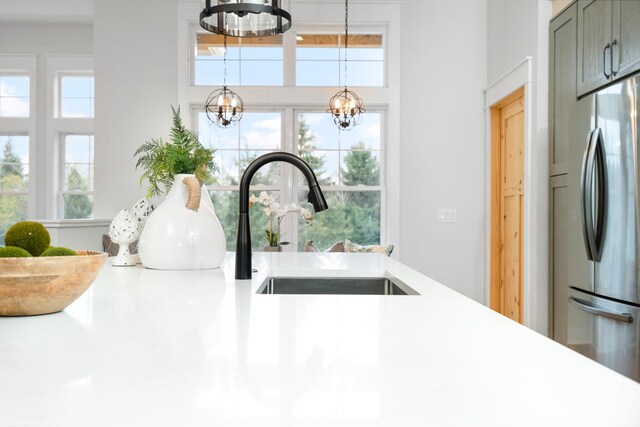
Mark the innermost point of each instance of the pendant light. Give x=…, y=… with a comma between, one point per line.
x=345, y=106
x=245, y=18
x=224, y=107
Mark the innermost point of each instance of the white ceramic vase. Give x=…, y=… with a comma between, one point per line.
x=178, y=238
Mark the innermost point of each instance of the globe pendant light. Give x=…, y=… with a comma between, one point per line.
x=245, y=18
x=224, y=107
x=345, y=106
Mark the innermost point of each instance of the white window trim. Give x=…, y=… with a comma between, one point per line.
x=57, y=127
x=26, y=65
x=57, y=112
x=61, y=176
x=373, y=17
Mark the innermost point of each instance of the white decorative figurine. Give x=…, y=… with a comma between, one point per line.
x=123, y=230
x=141, y=211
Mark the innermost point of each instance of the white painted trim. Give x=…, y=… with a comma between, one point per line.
x=519, y=76
x=57, y=127
x=315, y=15
x=74, y=223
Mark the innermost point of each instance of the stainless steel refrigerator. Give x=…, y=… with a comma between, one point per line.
x=604, y=228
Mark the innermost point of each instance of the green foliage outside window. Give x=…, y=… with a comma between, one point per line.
x=13, y=208
x=77, y=206
x=351, y=214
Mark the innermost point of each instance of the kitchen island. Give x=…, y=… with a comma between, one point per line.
x=198, y=348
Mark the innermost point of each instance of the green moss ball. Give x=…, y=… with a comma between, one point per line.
x=13, y=252
x=56, y=251
x=28, y=235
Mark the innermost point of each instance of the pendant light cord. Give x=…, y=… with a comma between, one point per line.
x=346, y=40
x=224, y=60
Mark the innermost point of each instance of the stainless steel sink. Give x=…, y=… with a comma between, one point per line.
x=335, y=286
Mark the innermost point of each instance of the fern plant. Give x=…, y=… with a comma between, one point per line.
x=162, y=161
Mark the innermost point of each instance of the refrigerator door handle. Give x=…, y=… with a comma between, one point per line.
x=600, y=311
x=600, y=164
x=586, y=199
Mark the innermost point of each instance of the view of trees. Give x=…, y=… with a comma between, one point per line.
x=13, y=208
x=351, y=214
x=76, y=206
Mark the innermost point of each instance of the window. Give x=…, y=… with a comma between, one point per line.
x=14, y=96
x=347, y=165
x=258, y=133
x=14, y=180
x=77, y=176
x=320, y=60
x=293, y=77
x=76, y=96
x=250, y=61
x=70, y=119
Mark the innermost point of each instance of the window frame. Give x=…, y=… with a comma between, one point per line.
x=57, y=127
x=24, y=65
x=288, y=188
x=382, y=185
x=195, y=29
x=57, y=112
x=62, y=172
x=353, y=30
x=380, y=18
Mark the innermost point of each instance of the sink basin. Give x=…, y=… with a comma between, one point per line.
x=335, y=286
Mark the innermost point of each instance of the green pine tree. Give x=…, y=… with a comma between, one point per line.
x=13, y=208
x=307, y=152
x=11, y=164
x=77, y=206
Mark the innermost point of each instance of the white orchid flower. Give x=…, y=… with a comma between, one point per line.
x=265, y=198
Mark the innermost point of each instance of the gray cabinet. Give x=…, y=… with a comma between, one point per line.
x=595, y=28
x=562, y=86
x=608, y=41
x=558, y=254
x=562, y=103
x=625, y=48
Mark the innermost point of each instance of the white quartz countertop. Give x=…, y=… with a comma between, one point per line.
x=197, y=348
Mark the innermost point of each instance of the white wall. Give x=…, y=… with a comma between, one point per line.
x=518, y=29
x=135, y=48
x=46, y=38
x=443, y=74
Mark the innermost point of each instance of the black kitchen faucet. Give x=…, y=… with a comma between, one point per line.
x=243, y=244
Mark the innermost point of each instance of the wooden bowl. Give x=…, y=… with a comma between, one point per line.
x=30, y=286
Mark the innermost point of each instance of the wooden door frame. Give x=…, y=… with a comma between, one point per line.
x=520, y=76
x=496, y=199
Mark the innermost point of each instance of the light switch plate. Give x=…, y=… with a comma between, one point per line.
x=447, y=215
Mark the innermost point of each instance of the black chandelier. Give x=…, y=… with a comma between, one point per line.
x=223, y=106
x=345, y=106
x=245, y=18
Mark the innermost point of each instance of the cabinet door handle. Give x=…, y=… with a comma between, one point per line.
x=604, y=61
x=615, y=43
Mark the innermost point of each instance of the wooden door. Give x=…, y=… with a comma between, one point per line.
x=507, y=205
x=595, y=20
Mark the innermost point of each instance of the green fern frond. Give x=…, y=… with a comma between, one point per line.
x=185, y=154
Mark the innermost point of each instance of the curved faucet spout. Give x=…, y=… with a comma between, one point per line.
x=243, y=243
